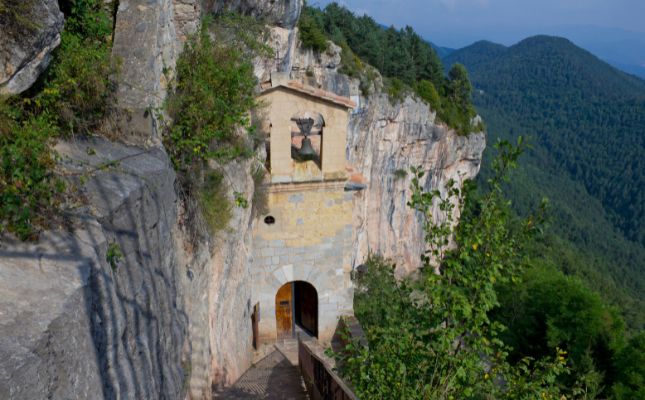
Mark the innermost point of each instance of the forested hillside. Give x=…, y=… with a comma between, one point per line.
x=406, y=61
x=441, y=50
x=546, y=335
x=586, y=121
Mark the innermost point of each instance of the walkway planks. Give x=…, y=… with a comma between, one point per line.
x=273, y=378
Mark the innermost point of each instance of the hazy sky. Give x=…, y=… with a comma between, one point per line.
x=456, y=23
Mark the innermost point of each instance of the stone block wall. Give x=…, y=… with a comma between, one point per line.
x=311, y=241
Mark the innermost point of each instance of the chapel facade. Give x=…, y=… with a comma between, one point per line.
x=301, y=259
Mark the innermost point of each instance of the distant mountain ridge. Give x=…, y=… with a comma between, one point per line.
x=587, y=121
x=567, y=86
x=622, y=48
x=441, y=50
x=476, y=54
x=636, y=70
x=549, y=47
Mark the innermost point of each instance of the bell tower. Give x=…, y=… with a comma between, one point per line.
x=301, y=258
x=307, y=131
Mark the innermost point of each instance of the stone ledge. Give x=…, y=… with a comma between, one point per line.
x=337, y=184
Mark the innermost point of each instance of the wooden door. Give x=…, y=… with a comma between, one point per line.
x=255, y=321
x=306, y=306
x=283, y=311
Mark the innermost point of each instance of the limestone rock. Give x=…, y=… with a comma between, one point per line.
x=230, y=284
x=282, y=13
x=76, y=321
x=96, y=310
x=146, y=43
x=187, y=17
x=282, y=41
x=385, y=139
x=45, y=344
x=29, y=32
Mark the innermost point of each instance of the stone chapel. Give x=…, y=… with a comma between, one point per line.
x=301, y=260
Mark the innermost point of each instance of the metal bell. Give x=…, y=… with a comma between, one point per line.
x=304, y=124
x=307, y=152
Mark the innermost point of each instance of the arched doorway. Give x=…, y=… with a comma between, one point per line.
x=296, y=308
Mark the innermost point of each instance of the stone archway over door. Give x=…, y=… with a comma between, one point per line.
x=296, y=305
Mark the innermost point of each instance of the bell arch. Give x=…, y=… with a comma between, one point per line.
x=307, y=126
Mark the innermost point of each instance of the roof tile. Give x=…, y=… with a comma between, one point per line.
x=312, y=91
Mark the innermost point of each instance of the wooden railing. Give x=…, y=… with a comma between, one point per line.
x=317, y=371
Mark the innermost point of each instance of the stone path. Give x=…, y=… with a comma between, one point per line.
x=273, y=378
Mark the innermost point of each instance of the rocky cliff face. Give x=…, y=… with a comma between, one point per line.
x=283, y=13
x=385, y=139
x=121, y=302
x=95, y=309
x=30, y=32
x=218, y=294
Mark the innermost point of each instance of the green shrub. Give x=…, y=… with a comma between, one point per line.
x=214, y=203
x=79, y=87
x=213, y=94
x=311, y=35
x=209, y=109
x=114, y=255
x=74, y=96
x=430, y=336
x=457, y=118
x=240, y=200
x=16, y=16
x=88, y=19
x=400, y=174
x=350, y=64
x=428, y=93
x=396, y=89
x=260, y=196
x=29, y=190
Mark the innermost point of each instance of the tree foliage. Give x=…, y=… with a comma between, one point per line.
x=73, y=97
x=589, y=116
x=432, y=337
x=586, y=121
x=212, y=96
x=311, y=35
x=630, y=366
x=209, y=110
x=408, y=62
x=548, y=309
x=485, y=319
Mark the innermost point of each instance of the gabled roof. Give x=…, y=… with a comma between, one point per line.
x=314, y=92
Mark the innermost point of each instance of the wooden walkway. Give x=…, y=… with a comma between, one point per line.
x=276, y=377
